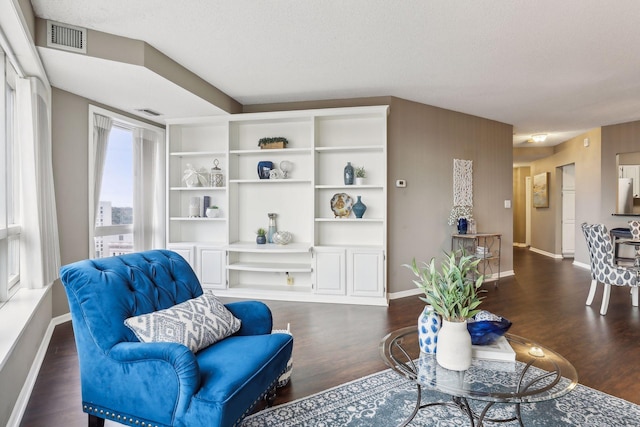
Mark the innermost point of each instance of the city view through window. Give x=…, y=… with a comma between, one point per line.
x=114, y=219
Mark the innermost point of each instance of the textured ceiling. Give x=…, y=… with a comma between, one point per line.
x=546, y=66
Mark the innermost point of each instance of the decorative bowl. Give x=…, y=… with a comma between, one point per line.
x=282, y=237
x=486, y=327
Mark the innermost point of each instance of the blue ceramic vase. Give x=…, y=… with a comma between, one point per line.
x=428, y=327
x=359, y=208
x=264, y=168
x=462, y=226
x=349, y=174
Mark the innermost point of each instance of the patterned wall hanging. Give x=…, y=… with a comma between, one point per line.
x=462, y=182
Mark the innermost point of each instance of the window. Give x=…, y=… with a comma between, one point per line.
x=127, y=185
x=114, y=222
x=9, y=187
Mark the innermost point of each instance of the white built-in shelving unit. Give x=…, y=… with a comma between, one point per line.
x=330, y=259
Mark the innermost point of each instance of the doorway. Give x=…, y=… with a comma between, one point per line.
x=568, y=211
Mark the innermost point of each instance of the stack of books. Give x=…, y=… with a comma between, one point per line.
x=482, y=252
x=500, y=349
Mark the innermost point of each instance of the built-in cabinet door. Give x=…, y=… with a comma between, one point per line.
x=211, y=268
x=185, y=251
x=365, y=272
x=329, y=271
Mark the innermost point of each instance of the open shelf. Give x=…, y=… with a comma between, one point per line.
x=269, y=247
x=271, y=267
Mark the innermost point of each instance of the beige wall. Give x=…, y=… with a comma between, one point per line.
x=545, y=222
x=70, y=151
x=423, y=141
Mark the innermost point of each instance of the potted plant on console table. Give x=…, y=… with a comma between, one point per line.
x=454, y=295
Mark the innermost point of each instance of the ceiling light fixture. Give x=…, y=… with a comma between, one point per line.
x=539, y=137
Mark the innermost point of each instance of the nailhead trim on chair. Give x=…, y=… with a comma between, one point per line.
x=262, y=396
x=117, y=417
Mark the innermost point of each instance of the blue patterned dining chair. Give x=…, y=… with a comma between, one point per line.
x=603, y=268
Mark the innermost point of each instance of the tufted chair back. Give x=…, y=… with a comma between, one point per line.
x=104, y=292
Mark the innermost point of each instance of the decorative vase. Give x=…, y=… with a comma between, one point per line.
x=359, y=208
x=349, y=174
x=194, y=207
x=272, y=227
x=212, y=212
x=261, y=240
x=264, y=169
x=454, y=346
x=428, y=327
x=462, y=226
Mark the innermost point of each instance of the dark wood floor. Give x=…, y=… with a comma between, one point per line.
x=338, y=343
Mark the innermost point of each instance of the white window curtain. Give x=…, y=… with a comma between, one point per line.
x=149, y=190
x=101, y=129
x=39, y=243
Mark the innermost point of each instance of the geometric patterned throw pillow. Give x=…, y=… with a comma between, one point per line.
x=196, y=323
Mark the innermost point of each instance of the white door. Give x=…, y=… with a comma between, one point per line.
x=329, y=271
x=185, y=251
x=365, y=272
x=211, y=268
x=527, y=212
x=568, y=210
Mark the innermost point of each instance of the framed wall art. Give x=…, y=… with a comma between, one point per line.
x=541, y=190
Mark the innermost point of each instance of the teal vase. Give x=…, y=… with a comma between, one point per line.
x=359, y=208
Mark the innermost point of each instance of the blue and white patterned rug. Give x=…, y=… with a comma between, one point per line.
x=385, y=399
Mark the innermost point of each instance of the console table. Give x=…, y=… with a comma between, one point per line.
x=485, y=246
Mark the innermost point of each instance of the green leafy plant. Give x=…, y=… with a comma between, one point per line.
x=261, y=232
x=360, y=172
x=451, y=290
x=271, y=140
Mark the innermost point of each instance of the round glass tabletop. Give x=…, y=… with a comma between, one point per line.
x=538, y=373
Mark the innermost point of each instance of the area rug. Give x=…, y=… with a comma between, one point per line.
x=385, y=399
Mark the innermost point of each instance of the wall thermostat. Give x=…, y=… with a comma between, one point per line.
x=401, y=183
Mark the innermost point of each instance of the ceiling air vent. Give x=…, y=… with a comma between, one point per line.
x=66, y=37
x=149, y=112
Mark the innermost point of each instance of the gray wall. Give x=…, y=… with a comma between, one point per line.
x=423, y=141
x=616, y=139
x=70, y=150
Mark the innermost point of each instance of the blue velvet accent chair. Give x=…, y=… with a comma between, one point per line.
x=158, y=383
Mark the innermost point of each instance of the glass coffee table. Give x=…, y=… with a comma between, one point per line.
x=538, y=374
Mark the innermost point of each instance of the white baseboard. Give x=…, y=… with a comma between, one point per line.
x=520, y=245
x=582, y=265
x=23, y=398
x=404, y=294
x=417, y=291
x=545, y=253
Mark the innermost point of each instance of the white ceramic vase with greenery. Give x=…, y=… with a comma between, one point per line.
x=454, y=293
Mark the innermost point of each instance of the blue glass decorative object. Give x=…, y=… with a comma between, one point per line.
x=485, y=328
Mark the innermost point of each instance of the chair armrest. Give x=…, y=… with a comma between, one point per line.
x=172, y=369
x=255, y=317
